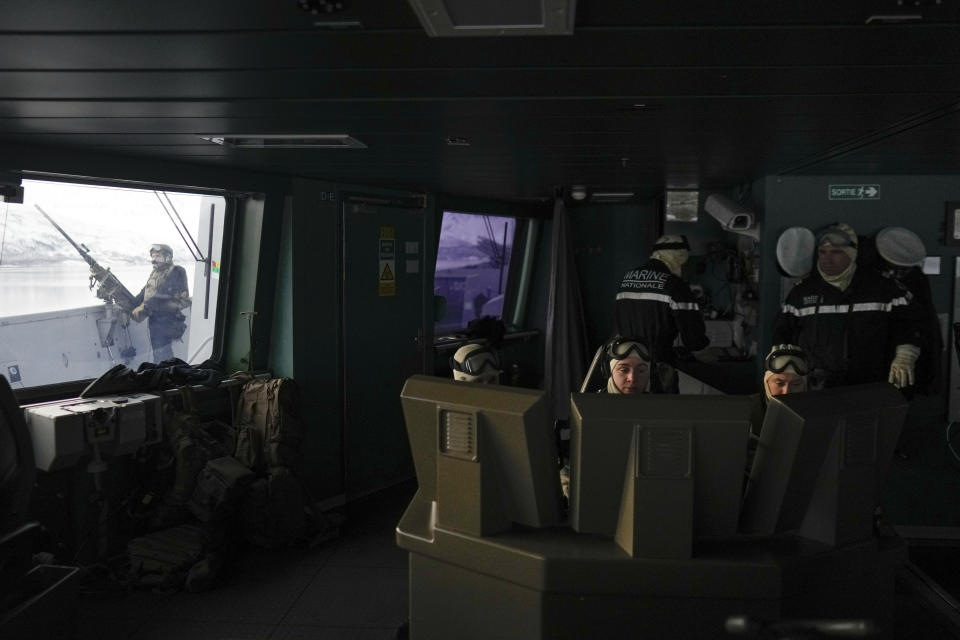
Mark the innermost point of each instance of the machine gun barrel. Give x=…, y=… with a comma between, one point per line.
x=110, y=286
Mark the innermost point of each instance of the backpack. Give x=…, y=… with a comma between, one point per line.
x=219, y=488
x=163, y=559
x=273, y=513
x=192, y=444
x=272, y=408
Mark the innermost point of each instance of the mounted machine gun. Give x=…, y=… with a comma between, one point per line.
x=109, y=288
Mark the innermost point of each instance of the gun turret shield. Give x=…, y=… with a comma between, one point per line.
x=795, y=251
x=900, y=247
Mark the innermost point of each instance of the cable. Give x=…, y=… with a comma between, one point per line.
x=950, y=448
x=100, y=523
x=177, y=227
x=198, y=256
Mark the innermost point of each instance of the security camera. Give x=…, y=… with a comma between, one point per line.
x=730, y=215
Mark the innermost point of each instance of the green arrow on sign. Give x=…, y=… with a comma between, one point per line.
x=853, y=192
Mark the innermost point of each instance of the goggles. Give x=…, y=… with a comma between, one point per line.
x=477, y=362
x=793, y=358
x=675, y=245
x=836, y=237
x=622, y=348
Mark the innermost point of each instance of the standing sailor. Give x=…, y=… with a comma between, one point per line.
x=161, y=301
x=854, y=325
x=655, y=305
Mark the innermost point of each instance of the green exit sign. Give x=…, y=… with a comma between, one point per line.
x=854, y=192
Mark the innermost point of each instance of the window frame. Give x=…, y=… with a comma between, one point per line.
x=514, y=297
x=56, y=391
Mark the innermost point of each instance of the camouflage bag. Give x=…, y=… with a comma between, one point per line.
x=272, y=408
x=249, y=449
x=273, y=512
x=163, y=559
x=220, y=487
x=191, y=445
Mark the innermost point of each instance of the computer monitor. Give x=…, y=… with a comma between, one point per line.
x=485, y=455
x=821, y=462
x=657, y=471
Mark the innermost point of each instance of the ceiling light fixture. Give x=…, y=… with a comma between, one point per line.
x=469, y=18
x=285, y=141
x=610, y=196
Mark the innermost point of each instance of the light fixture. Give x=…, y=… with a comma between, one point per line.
x=285, y=141
x=610, y=196
x=469, y=18
x=578, y=192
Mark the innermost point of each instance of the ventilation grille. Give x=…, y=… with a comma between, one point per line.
x=286, y=141
x=458, y=434
x=664, y=452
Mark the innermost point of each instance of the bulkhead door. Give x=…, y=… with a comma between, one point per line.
x=383, y=290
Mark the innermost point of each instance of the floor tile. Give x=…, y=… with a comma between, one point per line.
x=353, y=597
x=302, y=632
x=371, y=549
x=166, y=629
x=260, y=590
x=106, y=629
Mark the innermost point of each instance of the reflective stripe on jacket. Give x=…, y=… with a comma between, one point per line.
x=849, y=336
x=655, y=306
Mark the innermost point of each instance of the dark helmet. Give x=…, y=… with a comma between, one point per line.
x=166, y=253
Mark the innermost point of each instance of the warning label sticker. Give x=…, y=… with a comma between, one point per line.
x=387, y=251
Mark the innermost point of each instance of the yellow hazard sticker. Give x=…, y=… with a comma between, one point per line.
x=387, y=253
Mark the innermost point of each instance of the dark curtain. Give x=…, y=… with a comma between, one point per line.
x=566, y=331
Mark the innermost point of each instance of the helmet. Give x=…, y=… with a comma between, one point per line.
x=900, y=247
x=795, y=250
x=475, y=363
x=839, y=235
x=166, y=253
x=673, y=251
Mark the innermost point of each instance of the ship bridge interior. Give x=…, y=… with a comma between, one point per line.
x=336, y=145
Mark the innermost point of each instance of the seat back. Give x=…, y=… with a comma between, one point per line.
x=17, y=466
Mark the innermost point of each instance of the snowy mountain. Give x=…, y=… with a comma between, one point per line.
x=116, y=226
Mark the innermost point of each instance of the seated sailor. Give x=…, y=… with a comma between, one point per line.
x=785, y=371
x=627, y=362
x=476, y=362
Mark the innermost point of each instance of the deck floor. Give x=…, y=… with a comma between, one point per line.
x=350, y=588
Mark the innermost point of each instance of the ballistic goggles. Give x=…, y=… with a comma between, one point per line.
x=671, y=243
x=476, y=362
x=784, y=356
x=621, y=348
x=837, y=237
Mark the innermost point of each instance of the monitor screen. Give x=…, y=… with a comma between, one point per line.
x=676, y=461
x=484, y=454
x=821, y=462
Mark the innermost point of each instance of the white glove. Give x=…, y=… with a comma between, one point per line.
x=902, y=366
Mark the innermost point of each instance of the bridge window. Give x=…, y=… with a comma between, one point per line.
x=473, y=267
x=85, y=283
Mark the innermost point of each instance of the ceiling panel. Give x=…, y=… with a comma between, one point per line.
x=686, y=93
